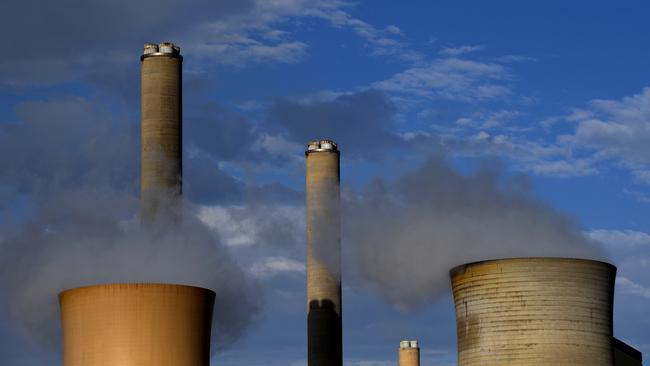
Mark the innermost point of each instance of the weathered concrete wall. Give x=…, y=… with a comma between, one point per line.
x=161, y=128
x=409, y=355
x=324, y=334
x=534, y=311
x=136, y=325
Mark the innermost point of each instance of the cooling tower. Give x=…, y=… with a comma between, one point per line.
x=161, y=127
x=409, y=353
x=136, y=325
x=534, y=311
x=324, y=334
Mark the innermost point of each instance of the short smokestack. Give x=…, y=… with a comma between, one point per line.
x=161, y=127
x=324, y=326
x=409, y=353
x=136, y=324
x=534, y=311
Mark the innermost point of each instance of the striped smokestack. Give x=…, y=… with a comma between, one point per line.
x=161, y=127
x=324, y=333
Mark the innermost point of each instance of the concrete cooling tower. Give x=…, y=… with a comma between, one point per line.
x=534, y=311
x=409, y=353
x=136, y=325
x=161, y=127
x=324, y=325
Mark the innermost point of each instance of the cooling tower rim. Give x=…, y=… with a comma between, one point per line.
x=457, y=269
x=134, y=285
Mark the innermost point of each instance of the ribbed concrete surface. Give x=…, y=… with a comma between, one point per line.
x=136, y=325
x=161, y=131
x=534, y=311
x=324, y=335
x=409, y=356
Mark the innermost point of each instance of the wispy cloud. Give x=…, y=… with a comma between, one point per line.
x=264, y=33
x=272, y=266
x=506, y=59
x=450, y=78
x=628, y=287
x=620, y=239
x=457, y=51
x=617, y=130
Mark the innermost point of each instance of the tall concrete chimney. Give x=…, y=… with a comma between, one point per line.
x=324, y=325
x=136, y=324
x=534, y=312
x=161, y=127
x=409, y=353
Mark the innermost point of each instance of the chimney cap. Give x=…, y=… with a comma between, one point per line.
x=408, y=344
x=321, y=145
x=161, y=49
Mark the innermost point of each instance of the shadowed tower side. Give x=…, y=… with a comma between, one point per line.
x=324, y=331
x=161, y=128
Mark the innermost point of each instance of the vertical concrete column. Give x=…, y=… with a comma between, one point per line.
x=324, y=325
x=161, y=127
x=136, y=325
x=409, y=353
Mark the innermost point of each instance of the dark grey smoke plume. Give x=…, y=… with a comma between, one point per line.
x=404, y=237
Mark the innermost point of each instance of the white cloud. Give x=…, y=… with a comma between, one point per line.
x=234, y=231
x=456, y=51
x=261, y=35
x=488, y=120
x=615, y=239
x=450, y=78
x=628, y=287
x=272, y=266
x=278, y=145
x=616, y=129
x=639, y=196
x=562, y=168
x=245, y=225
x=506, y=59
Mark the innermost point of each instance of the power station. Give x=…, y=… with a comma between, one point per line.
x=145, y=324
x=517, y=311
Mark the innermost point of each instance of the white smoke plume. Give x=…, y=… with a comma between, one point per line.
x=81, y=226
x=402, y=238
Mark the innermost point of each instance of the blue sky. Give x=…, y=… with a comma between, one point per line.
x=549, y=97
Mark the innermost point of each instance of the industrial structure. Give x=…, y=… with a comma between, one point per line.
x=324, y=316
x=145, y=324
x=409, y=353
x=625, y=355
x=518, y=311
x=534, y=311
x=161, y=127
x=136, y=324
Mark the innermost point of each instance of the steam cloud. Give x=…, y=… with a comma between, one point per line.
x=404, y=237
x=82, y=225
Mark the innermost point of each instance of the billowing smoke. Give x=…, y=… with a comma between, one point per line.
x=404, y=237
x=77, y=223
